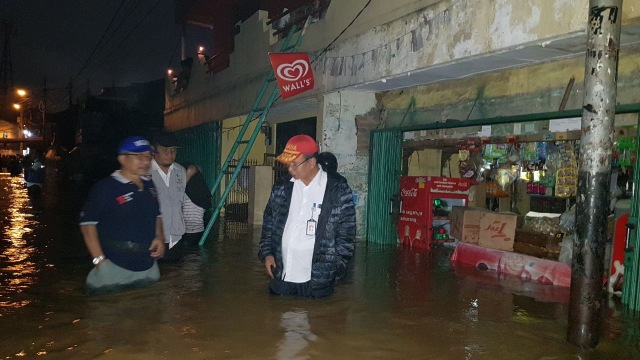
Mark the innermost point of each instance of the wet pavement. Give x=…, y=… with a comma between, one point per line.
x=398, y=304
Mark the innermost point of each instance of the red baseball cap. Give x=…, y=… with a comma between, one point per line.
x=296, y=146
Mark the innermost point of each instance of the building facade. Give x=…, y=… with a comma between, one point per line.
x=440, y=61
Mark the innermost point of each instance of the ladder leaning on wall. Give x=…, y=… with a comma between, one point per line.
x=258, y=112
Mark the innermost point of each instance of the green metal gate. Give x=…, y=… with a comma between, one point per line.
x=631, y=284
x=200, y=145
x=384, y=182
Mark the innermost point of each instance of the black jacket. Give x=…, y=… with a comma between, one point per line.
x=198, y=191
x=335, y=231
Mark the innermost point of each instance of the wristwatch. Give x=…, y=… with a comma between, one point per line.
x=98, y=259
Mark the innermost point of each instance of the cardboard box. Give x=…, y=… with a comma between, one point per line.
x=523, y=200
x=478, y=195
x=504, y=204
x=465, y=223
x=497, y=230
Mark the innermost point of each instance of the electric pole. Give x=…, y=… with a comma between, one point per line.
x=596, y=144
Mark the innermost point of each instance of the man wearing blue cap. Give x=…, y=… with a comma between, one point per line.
x=121, y=223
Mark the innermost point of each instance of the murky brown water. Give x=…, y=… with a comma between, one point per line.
x=397, y=305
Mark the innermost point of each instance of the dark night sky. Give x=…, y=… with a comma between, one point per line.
x=55, y=38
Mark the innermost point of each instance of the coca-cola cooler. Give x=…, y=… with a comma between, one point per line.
x=425, y=208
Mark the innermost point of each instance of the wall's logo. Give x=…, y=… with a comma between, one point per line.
x=293, y=73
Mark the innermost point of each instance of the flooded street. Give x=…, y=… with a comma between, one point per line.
x=398, y=304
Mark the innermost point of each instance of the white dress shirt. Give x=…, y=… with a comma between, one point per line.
x=166, y=178
x=297, y=246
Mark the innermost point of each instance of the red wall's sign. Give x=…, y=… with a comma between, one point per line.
x=293, y=73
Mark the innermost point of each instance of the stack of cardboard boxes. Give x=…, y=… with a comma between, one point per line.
x=500, y=231
x=483, y=227
x=537, y=244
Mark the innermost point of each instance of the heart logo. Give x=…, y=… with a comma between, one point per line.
x=294, y=71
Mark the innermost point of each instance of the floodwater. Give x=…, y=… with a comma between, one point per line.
x=398, y=304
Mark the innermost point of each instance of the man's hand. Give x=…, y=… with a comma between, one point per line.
x=157, y=248
x=270, y=264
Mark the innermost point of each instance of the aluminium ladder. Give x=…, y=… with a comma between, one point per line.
x=261, y=112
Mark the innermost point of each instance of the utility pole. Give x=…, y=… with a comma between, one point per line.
x=43, y=108
x=70, y=93
x=596, y=143
x=183, y=43
x=6, y=67
x=20, y=130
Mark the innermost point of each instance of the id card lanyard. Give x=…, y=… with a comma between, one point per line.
x=311, y=223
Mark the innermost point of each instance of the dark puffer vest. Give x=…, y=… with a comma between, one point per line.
x=335, y=232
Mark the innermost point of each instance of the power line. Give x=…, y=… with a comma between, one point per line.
x=104, y=59
x=113, y=18
x=323, y=51
x=96, y=70
x=112, y=36
x=342, y=32
x=175, y=49
x=123, y=20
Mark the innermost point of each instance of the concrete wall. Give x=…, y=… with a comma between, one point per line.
x=260, y=180
x=230, y=130
x=228, y=93
x=340, y=133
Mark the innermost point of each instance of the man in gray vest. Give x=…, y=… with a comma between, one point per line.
x=170, y=180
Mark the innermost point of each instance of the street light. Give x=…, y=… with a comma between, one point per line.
x=23, y=98
x=20, y=126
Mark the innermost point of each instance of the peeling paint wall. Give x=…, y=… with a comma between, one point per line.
x=448, y=31
x=339, y=131
x=388, y=39
x=527, y=90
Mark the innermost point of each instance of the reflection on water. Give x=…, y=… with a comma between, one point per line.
x=17, y=267
x=297, y=335
x=397, y=304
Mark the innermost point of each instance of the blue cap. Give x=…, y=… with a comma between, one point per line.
x=134, y=144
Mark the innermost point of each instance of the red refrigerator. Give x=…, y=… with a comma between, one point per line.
x=425, y=208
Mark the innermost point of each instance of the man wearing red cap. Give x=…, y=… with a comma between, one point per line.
x=309, y=225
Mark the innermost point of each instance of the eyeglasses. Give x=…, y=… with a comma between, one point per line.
x=140, y=157
x=295, y=166
x=167, y=150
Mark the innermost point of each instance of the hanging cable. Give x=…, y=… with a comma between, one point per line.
x=326, y=48
x=86, y=62
x=175, y=49
x=118, y=47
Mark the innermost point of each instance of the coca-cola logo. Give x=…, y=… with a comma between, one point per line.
x=410, y=192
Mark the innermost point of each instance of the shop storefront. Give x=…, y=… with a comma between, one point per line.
x=517, y=216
